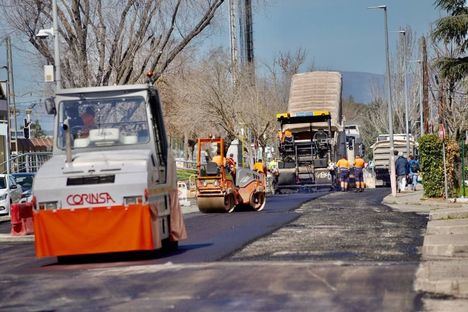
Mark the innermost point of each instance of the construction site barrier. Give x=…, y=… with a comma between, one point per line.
x=21, y=219
x=182, y=191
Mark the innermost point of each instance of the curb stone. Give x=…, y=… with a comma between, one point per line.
x=7, y=238
x=451, y=226
x=449, y=213
x=445, y=245
x=443, y=277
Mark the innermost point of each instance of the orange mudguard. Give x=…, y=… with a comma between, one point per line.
x=89, y=231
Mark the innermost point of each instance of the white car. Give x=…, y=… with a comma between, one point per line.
x=10, y=192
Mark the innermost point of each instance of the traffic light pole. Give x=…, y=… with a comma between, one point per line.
x=27, y=124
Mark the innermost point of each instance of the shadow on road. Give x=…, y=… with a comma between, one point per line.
x=131, y=257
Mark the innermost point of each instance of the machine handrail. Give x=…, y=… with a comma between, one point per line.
x=32, y=162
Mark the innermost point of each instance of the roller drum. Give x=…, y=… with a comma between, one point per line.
x=257, y=201
x=216, y=203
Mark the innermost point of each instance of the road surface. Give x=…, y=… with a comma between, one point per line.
x=339, y=252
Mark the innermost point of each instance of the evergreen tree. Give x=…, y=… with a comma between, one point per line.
x=453, y=29
x=37, y=131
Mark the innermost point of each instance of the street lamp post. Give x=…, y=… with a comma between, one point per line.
x=389, y=99
x=44, y=33
x=405, y=72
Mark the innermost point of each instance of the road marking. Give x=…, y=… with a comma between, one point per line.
x=324, y=281
x=169, y=266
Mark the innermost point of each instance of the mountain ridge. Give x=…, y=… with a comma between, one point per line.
x=358, y=85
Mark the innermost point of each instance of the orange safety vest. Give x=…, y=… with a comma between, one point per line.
x=343, y=163
x=218, y=160
x=359, y=163
x=258, y=166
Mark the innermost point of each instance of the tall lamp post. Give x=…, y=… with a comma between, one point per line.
x=389, y=99
x=405, y=72
x=44, y=33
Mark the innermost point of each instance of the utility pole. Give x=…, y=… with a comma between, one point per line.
x=233, y=35
x=421, y=101
x=11, y=91
x=58, y=74
x=246, y=37
x=249, y=32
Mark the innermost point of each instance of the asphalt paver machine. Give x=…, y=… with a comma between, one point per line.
x=306, y=154
x=218, y=188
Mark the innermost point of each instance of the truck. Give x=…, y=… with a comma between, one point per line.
x=317, y=137
x=111, y=183
x=381, y=156
x=354, y=143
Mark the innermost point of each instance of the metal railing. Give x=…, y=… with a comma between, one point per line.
x=186, y=164
x=28, y=162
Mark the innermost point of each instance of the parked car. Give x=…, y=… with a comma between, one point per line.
x=25, y=179
x=10, y=192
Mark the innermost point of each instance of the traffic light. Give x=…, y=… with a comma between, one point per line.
x=26, y=128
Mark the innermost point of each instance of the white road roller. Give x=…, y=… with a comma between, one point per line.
x=111, y=183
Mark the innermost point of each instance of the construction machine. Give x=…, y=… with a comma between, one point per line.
x=311, y=133
x=111, y=184
x=306, y=155
x=381, y=155
x=220, y=186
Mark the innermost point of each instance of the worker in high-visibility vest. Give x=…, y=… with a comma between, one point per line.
x=259, y=167
x=288, y=136
x=219, y=160
x=231, y=166
x=359, y=164
x=343, y=170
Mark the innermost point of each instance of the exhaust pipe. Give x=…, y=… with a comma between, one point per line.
x=66, y=128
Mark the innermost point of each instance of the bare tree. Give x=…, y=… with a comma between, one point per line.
x=375, y=119
x=114, y=41
x=211, y=103
x=284, y=66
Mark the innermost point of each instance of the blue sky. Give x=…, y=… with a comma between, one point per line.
x=337, y=34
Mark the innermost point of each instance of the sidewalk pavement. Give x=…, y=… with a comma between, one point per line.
x=442, y=277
